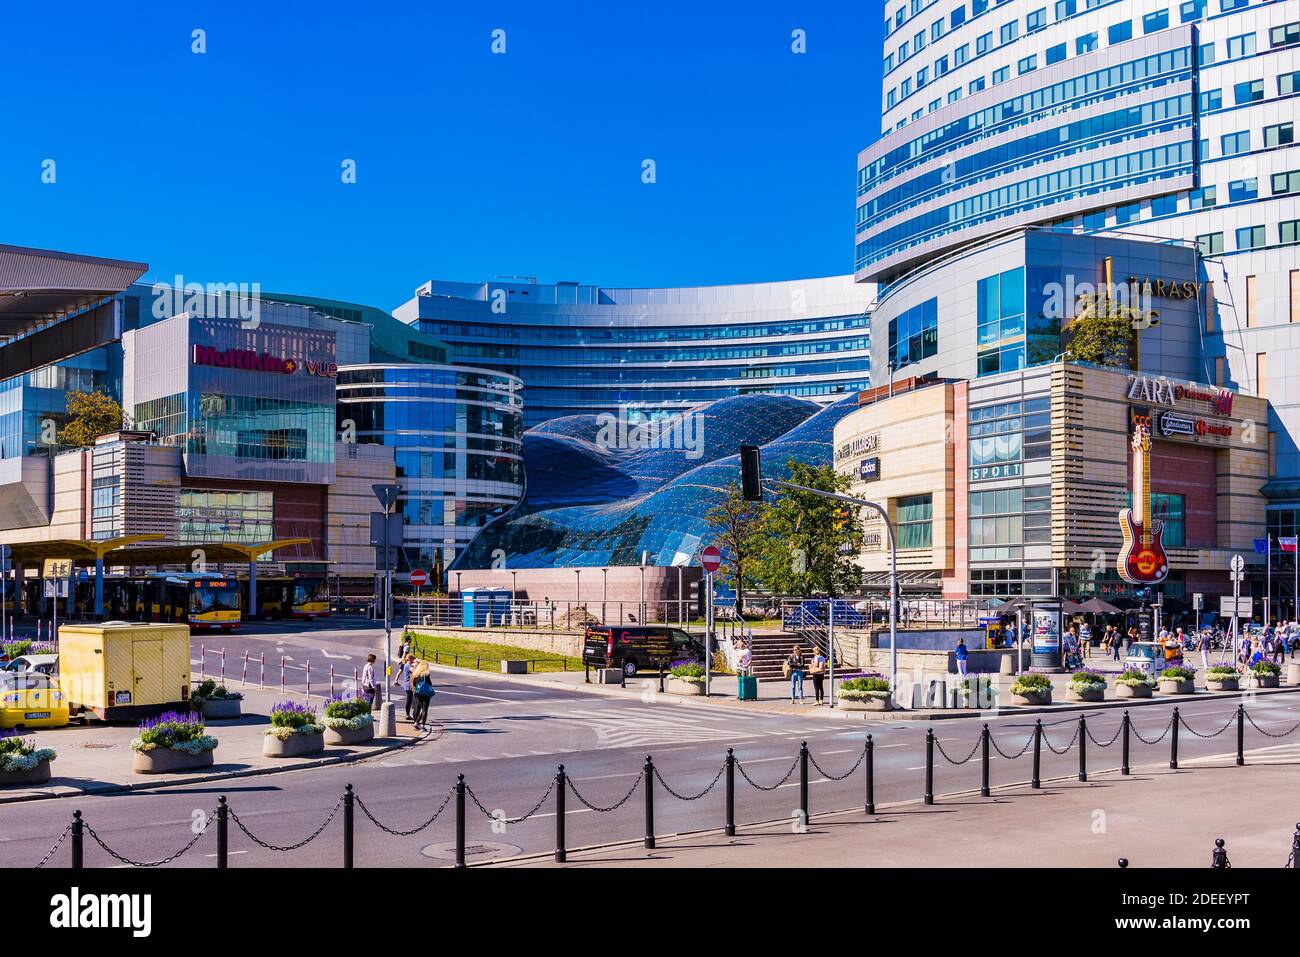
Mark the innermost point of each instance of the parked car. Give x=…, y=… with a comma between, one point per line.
x=31, y=699
x=635, y=647
x=45, y=664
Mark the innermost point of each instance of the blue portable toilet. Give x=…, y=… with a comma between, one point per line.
x=478, y=603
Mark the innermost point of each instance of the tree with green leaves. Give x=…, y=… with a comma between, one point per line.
x=810, y=543
x=1102, y=333
x=737, y=526
x=90, y=415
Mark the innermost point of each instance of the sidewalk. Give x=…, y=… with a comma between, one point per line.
x=1154, y=818
x=97, y=759
x=773, y=696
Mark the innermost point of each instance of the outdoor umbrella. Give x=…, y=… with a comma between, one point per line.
x=1095, y=606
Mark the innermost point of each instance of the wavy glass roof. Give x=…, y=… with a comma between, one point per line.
x=590, y=502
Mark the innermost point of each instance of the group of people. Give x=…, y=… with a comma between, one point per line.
x=814, y=666
x=412, y=677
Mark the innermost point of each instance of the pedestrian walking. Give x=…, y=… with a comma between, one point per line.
x=403, y=680
x=368, y=686
x=1085, y=639
x=1115, y=642
x=961, y=654
x=794, y=669
x=817, y=670
x=423, y=690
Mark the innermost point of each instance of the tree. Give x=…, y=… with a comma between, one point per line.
x=738, y=527
x=90, y=415
x=1103, y=332
x=809, y=542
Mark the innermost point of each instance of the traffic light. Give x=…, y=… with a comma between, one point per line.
x=751, y=473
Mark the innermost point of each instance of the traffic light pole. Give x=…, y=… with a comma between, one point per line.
x=893, y=570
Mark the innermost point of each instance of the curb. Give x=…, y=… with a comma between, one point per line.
x=155, y=784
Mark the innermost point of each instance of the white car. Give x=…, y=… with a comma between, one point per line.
x=45, y=664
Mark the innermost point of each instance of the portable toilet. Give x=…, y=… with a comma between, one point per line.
x=121, y=671
x=477, y=604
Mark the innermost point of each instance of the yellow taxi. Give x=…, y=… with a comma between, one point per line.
x=31, y=699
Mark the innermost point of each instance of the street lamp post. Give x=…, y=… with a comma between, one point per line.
x=387, y=495
x=604, y=594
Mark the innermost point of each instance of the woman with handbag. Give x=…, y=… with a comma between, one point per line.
x=794, y=668
x=423, y=689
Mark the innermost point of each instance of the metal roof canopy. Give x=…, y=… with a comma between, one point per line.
x=117, y=552
x=38, y=286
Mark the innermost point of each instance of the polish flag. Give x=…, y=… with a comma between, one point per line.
x=1287, y=544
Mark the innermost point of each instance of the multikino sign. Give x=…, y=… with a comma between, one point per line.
x=252, y=361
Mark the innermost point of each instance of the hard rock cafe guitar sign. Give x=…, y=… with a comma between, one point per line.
x=1142, y=559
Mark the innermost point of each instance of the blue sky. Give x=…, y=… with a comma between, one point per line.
x=226, y=166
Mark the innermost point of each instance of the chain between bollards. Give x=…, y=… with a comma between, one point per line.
x=1241, y=735
x=1173, y=741
x=223, y=833
x=871, y=776
x=460, y=820
x=984, y=762
x=731, y=793
x=1035, y=782
x=78, y=841
x=649, y=802
x=803, y=781
x=560, y=855
x=929, y=765
x=1083, y=748
x=1124, y=760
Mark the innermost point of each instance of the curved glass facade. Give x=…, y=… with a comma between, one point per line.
x=456, y=433
x=591, y=505
x=591, y=350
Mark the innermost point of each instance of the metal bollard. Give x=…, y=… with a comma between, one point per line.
x=349, y=799
x=649, y=771
x=984, y=762
x=1173, y=740
x=929, y=766
x=1241, y=735
x=460, y=820
x=730, y=828
x=307, y=669
x=203, y=661
x=560, y=854
x=223, y=666
x=281, y=674
x=78, y=841
x=1038, y=754
x=1294, y=862
x=803, y=781
x=871, y=776
x=331, y=681
x=1127, y=725
x=1083, y=748
x=261, y=673
x=223, y=833
x=243, y=674
x=1219, y=860
x=1123, y=863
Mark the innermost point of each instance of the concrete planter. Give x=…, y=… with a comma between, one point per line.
x=510, y=667
x=681, y=686
x=865, y=704
x=17, y=779
x=1225, y=683
x=222, y=709
x=350, y=736
x=1133, y=691
x=1177, y=686
x=169, y=761
x=1264, y=681
x=1073, y=693
x=1293, y=672
x=1032, y=698
x=295, y=745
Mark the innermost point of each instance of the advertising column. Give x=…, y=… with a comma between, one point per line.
x=1047, y=637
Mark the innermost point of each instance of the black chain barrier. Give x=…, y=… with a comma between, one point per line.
x=562, y=783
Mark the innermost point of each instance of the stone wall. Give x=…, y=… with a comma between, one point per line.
x=553, y=642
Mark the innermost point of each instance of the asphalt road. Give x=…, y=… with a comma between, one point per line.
x=507, y=738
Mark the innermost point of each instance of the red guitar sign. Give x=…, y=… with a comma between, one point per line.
x=1142, y=559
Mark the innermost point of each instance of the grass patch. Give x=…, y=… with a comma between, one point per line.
x=484, y=655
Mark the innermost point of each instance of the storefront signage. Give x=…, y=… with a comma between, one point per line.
x=1171, y=423
x=1166, y=288
x=869, y=469
x=862, y=445
x=1158, y=389
x=259, y=362
x=986, y=473
x=871, y=540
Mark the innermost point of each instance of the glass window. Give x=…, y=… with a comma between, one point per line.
x=1191, y=10
x=1249, y=237
x=1152, y=22
x=976, y=84
x=1027, y=65
x=1065, y=8
x=1248, y=92
x=1242, y=46
x=1085, y=43
x=1164, y=205
x=1002, y=74
x=1284, y=35
x=1280, y=134
x=1288, y=83
x=1036, y=20
x=1227, y=5
x=1211, y=243
x=1286, y=182
x=1127, y=213
x=1203, y=198
x=1119, y=32
x=1235, y=142
x=983, y=43
x=1009, y=31
x=1243, y=189
x=914, y=335
x=914, y=519
x=958, y=16
x=1211, y=100
x=1055, y=54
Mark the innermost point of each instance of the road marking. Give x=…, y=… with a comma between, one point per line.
x=229, y=853
x=335, y=657
x=482, y=697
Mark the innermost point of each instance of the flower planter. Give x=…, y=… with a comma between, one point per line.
x=222, y=709
x=1032, y=698
x=865, y=704
x=1086, y=693
x=350, y=735
x=1264, y=681
x=16, y=779
x=1226, y=683
x=1133, y=691
x=169, y=761
x=1177, y=686
x=681, y=686
x=1293, y=672
x=295, y=745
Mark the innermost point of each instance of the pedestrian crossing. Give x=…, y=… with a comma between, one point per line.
x=652, y=727
x=1273, y=754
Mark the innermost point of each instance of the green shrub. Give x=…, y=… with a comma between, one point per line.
x=1266, y=668
x=1031, y=683
x=1179, y=673
x=865, y=684
x=1221, y=670
x=687, y=670
x=347, y=707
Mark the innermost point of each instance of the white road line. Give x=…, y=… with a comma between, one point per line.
x=483, y=697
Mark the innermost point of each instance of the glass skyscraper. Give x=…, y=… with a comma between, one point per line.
x=583, y=349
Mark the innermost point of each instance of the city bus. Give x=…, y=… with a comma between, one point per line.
x=199, y=600
x=298, y=596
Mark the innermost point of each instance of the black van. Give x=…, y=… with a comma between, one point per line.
x=638, y=646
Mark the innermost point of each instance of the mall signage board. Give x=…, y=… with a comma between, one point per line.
x=869, y=469
x=859, y=445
